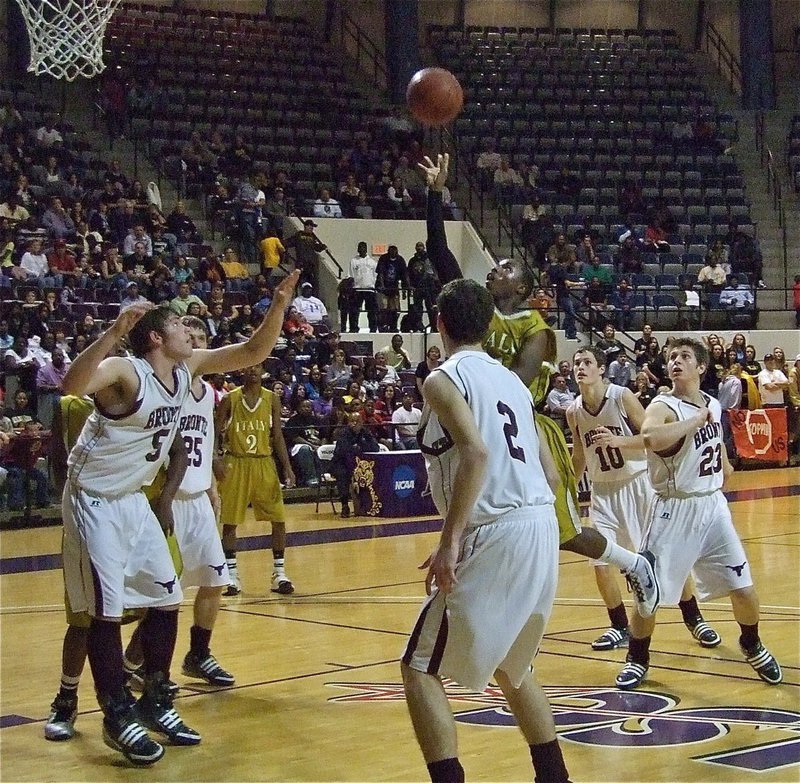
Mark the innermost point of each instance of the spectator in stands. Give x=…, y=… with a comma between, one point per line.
x=585, y=254
x=135, y=235
x=424, y=284
x=396, y=356
x=50, y=376
x=348, y=195
x=363, y=208
x=544, y=304
x=138, y=265
x=353, y=441
x=19, y=361
x=12, y=211
x=621, y=301
x=655, y=237
x=772, y=383
x=641, y=343
x=33, y=266
x=307, y=245
x=643, y=391
x=609, y=344
x=717, y=365
x=595, y=302
x=62, y=266
x=629, y=257
x=559, y=273
x=744, y=255
x=398, y=196
x=391, y=276
x=338, y=372
x=123, y=218
x=719, y=252
x=302, y=441
x=6, y=338
x=363, y=271
x=431, y=361
x=182, y=226
x=559, y=398
x=311, y=307
x=712, y=276
x=180, y=304
x=272, y=251
x=236, y=274
x=532, y=214
x=327, y=207
x=57, y=222
x=736, y=297
x=47, y=135
x=132, y=296
x=621, y=370
x=276, y=209
x=406, y=421
x=561, y=252
x=506, y=181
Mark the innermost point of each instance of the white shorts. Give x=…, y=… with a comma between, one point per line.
x=620, y=510
x=497, y=612
x=696, y=535
x=115, y=555
x=198, y=541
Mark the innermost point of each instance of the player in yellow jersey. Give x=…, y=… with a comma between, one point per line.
x=248, y=421
x=519, y=338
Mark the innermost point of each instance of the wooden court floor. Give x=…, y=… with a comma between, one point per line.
x=318, y=694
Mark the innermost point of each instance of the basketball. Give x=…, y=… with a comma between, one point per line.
x=434, y=96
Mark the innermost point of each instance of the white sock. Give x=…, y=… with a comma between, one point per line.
x=615, y=555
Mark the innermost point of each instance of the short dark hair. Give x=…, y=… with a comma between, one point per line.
x=598, y=353
x=152, y=321
x=699, y=349
x=466, y=308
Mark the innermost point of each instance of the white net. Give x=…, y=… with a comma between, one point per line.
x=66, y=36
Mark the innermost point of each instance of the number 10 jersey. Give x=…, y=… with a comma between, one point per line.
x=503, y=411
x=605, y=464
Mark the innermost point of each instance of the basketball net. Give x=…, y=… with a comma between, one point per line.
x=66, y=36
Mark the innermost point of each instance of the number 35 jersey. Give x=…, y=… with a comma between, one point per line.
x=118, y=455
x=503, y=412
x=605, y=464
x=694, y=465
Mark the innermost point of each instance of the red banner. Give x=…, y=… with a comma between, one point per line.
x=761, y=434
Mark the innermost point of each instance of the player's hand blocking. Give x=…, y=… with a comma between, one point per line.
x=436, y=173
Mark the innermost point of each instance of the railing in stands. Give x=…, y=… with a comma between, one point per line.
x=727, y=62
x=355, y=43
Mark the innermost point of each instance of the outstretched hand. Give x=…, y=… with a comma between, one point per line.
x=436, y=173
x=128, y=318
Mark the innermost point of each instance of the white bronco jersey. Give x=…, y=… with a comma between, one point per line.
x=695, y=468
x=117, y=455
x=503, y=410
x=197, y=428
x=603, y=463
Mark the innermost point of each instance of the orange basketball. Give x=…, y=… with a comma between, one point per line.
x=434, y=96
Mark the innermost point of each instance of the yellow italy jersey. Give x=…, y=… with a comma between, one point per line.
x=74, y=412
x=505, y=338
x=249, y=429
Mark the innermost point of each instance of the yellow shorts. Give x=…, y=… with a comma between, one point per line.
x=250, y=481
x=567, y=509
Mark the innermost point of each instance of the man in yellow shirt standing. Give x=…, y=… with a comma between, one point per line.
x=272, y=251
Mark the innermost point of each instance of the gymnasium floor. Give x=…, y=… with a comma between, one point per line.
x=318, y=694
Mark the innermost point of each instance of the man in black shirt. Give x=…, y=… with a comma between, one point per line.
x=306, y=245
x=391, y=275
x=425, y=287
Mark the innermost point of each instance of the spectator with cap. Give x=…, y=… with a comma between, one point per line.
x=311, y=307
x=132, y=296
x=306, y=245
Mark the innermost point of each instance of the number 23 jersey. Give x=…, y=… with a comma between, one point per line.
x=603, y=463
x=693, y=466
x=503, y=412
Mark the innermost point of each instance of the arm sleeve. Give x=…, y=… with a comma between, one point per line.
x=444, y=262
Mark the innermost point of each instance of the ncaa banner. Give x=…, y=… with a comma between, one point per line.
x=760, y=435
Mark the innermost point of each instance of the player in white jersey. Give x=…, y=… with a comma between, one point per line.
x=115, y=553
x=690, y=527
x=492, y=579
x=606, y=422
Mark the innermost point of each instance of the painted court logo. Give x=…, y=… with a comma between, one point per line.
x=403, y=478
x=612, y=718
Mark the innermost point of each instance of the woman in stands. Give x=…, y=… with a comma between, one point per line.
x=739, y=344
x=313, y=384
x=644, y=392
x=751, y=364
x=338, y=372
x=387, y=402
